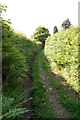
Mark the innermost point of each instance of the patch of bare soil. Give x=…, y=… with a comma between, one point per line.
x=60, y=110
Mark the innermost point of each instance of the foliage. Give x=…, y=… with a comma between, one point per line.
x=16, y=59
x=66, y=24
x=2, y=8
x=16, y=112
x=61, y=51
x=55, y=30
x=18, y=52
x=11, y=109
x=40, y=34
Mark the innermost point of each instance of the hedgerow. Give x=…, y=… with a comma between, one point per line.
x=18, y=51
x=61, y=51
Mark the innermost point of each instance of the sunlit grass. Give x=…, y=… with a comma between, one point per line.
x=41, y=103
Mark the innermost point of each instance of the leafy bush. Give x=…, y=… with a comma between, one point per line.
x=61, y=51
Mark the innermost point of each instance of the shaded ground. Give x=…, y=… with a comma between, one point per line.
x=28, y=85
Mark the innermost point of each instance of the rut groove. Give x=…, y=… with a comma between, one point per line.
x=60, y=110
x=27, y=85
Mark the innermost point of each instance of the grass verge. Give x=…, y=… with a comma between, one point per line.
x=42, y=105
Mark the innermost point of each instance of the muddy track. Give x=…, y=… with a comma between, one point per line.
x=60, y=110
x=27, y=85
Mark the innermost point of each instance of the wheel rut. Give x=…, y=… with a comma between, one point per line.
x=60, y=110
x=28, y=85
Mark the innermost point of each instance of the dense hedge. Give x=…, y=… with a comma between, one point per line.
x=18, y=52
x=61, y=51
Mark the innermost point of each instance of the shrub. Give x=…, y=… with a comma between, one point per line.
x=61, y=51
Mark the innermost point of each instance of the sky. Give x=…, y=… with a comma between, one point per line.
x=27, y=15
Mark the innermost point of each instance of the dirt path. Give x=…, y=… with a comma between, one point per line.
x=28, y=85
x=60, y=110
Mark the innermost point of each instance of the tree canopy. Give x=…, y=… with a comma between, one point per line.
x=66, y=24
x=55, y=29
x=41, y=33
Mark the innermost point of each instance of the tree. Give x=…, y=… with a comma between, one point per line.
x=2, y=9
x=55, y=29
x=66, y=24
x=40, y=34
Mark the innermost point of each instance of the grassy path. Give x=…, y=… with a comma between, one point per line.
x=41, y=103
x=72, y=106
x=60, y=110
x=50, y=98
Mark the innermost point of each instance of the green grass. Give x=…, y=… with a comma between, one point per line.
x=41, y=104
x=68, y=102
